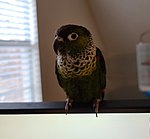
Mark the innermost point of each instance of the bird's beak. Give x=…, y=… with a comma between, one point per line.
x=58, y=44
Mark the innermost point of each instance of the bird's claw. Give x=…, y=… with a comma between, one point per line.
x=96, y=106
x=68, y=105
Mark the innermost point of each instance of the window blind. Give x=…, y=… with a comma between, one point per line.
x=19, y=55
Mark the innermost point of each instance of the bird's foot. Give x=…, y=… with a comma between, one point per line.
x=96, y=106
x=68, y=105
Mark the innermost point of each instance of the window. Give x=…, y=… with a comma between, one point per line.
x=19, y=55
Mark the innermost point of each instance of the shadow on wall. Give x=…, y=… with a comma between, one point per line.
x=122, y=77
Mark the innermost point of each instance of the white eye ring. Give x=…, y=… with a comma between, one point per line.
x=72, y=36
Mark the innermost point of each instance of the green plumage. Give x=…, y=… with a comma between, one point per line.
x=80, y=66
x=86, y=88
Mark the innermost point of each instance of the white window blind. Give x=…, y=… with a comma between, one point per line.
x=19, y=56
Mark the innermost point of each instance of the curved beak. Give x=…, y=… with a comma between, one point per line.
x=58, y=44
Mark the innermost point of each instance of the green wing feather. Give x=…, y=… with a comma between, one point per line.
x=101, y=68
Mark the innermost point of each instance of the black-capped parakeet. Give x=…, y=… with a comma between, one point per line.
x=80, y=66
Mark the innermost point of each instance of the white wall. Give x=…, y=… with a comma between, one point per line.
x=51, y=15
x=117, y=23
x=120, y=24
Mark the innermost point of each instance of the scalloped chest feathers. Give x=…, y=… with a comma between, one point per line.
x=76, y=66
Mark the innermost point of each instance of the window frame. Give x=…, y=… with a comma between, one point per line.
x=31, y=44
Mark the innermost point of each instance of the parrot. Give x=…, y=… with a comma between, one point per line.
x=80, y=66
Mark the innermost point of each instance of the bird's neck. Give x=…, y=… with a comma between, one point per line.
x=77, y=65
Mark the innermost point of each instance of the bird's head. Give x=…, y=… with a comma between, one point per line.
x=71, y=39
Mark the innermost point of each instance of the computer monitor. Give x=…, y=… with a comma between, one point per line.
x=116, y=120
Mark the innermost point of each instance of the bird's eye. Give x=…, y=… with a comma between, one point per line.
x=72, y=36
